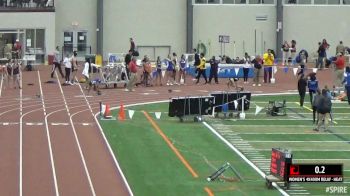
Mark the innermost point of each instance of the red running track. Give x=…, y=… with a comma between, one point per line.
x=51, y=144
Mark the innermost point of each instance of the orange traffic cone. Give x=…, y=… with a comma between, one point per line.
x=121, y=115
x=107, y=113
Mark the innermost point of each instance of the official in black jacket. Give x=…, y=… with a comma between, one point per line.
x=302, y=83
x=324, y=107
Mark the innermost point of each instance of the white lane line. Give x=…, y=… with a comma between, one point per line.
x=21, y=138
x=106, y=142
x=41, y=94
x=77, y=140
x=34, y=124
x=109, y=147
x=64, y=98
x=243, y=157
x=53, y=168
x=50, y=148
x=2, y=79
x=59, y=124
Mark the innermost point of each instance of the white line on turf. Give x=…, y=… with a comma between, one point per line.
x=297, y=126
x=256, y=141
x=243, y=157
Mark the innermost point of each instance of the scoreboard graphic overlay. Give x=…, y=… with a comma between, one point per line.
x=316, y=173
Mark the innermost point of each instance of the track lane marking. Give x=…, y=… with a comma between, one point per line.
x=53, y=168
x=21, y=136
x=76, y=139
x=106, y=142
x=170, y=144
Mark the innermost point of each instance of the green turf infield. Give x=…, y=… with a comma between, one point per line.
x=152, y=168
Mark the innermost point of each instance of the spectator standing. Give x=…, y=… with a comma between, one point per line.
x=325, y=45
x=214, y=65
x=176, y=68
x=293, y=50
x=57, y=62
x=285, y=50
x=147, y=70
x=314, y=104
x=339, y=70
x=246, y=67
x=197, y=60
x=202, y=69
x=302, y=62
x=74, y=66
x=312, y=85
x=321, y=56
x=268, y=63
x=324, y=107
x=133, y=75
x=132, y=45
x=182, y=73
x=14, y=71
x=302, y=83
x=340, y=48
x=17, y=50
x=257, y=61
x=169, y=70
x=159, y=71
x=127, y=60
x=347, y=82
x=67, y=66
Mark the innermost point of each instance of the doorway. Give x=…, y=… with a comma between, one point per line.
x=7, y=41
x=75, y=41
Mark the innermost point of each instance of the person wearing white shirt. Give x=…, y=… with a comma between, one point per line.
x=246, y=67
x=86, y=73
x=67, y=66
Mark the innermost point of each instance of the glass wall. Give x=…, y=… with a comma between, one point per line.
x=35, y=44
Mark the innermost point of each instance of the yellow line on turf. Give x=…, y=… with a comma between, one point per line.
x=311, y=110
x=304, y=106
x=208, y=190
x=166, y=139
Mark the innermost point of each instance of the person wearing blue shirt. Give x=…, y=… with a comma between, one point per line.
x=347, y=81
x=312, y=84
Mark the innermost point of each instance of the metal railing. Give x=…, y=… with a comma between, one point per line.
x=27, y=5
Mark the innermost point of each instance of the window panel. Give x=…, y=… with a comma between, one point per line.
x=201, y=1
x=241, y=1
x=213, y=1
x=320, y=1
x=304, y=2
x=227, y=1
x=334, y=2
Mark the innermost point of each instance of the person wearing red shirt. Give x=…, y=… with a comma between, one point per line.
x=133, y=75
x=339, y=69
x=17, y=50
